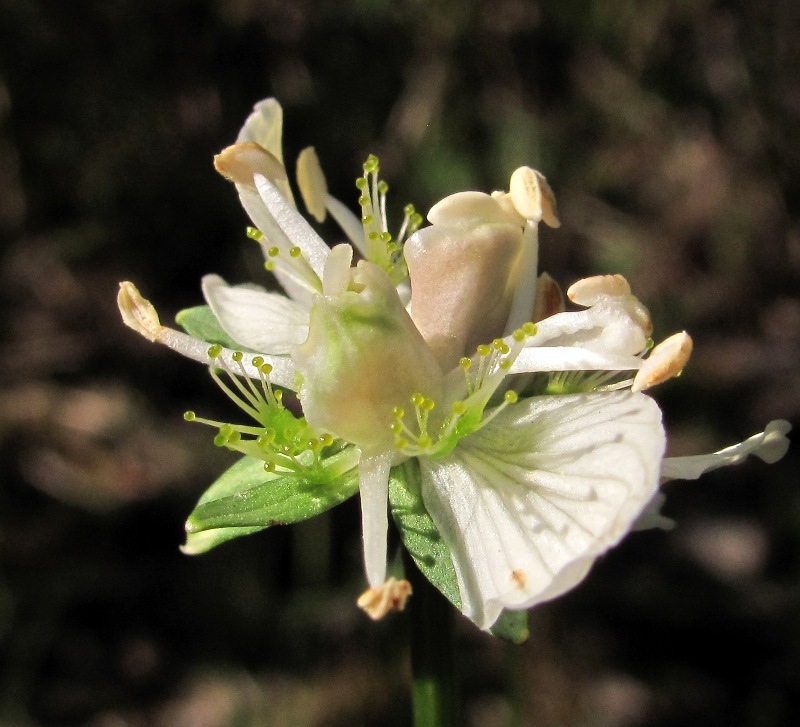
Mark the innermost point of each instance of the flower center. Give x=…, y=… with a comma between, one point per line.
x=419, y=432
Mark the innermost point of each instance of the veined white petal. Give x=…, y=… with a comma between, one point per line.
x=373, y=483
x=528, y=502
x=571, y=358
x=349, y=222
x=261, y=321
x=283, y=370
x=769, y=445
x=293, y=225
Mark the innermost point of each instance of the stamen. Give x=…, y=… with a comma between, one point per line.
x=293, y=265
x=285, y=443
x=382, y=247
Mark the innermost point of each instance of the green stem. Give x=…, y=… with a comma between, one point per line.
x=432, y=654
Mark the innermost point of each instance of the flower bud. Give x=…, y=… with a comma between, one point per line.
x=363, y=357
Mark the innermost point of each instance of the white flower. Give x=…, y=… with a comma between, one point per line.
x=536, y=449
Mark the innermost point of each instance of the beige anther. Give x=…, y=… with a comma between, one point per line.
x=137, y=312
x=311, y=181
x=532, y=196
x=391, y=596
x=240, y=162
x=666, y=360
x=587, y=291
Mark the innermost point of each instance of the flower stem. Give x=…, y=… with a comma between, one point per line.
x=432, y=654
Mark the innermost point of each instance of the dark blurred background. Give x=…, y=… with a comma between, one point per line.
x=670, y=131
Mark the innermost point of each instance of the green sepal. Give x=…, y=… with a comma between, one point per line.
x=431, y=554
x=512, y=626
x=246, y=499
x=201, y=323
x=418, y=532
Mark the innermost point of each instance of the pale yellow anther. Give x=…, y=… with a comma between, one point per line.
x=311, y=180
x=587, y=291
x=532, y=196
x=137, y=312
x=666, y=360
x=240, y=162
x=391, y=596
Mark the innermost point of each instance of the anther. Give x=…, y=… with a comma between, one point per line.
x=254, y=234
x=214, y=351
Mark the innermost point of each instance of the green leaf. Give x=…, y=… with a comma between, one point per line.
x=431, y=554
x=419, y=534
x=246, y=499
x=201, y=323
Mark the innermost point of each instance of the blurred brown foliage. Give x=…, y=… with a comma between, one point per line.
x=670, y=131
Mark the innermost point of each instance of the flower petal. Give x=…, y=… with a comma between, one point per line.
x=528, y=502
x=264, y=322
x=571, y=358
x=769, y=445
